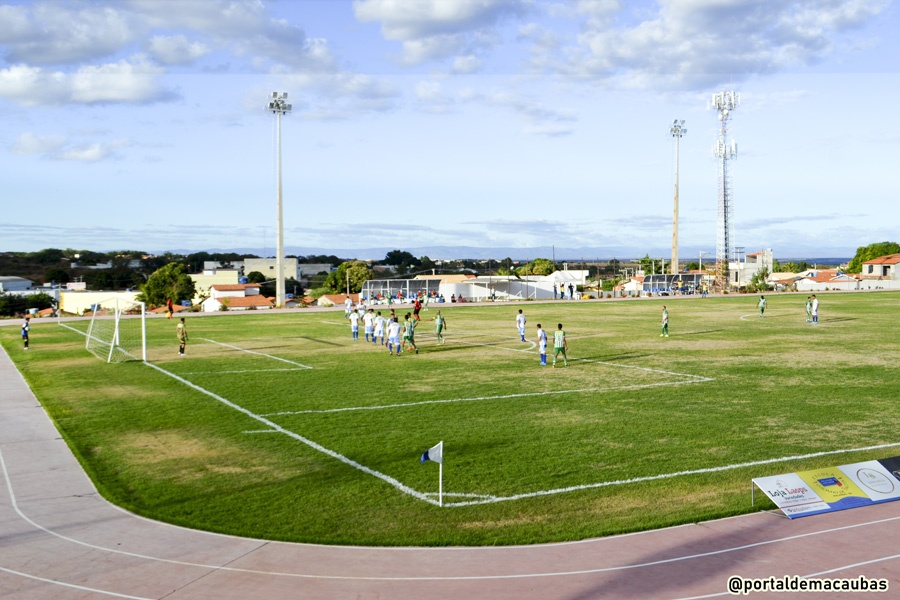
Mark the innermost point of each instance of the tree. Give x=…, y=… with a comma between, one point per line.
x=539, y=266
x=170, y=281
x=255, y=277
x=354, y=271
x=56, y=275
x=864, y=253
x=402, y=260
x=758, y=281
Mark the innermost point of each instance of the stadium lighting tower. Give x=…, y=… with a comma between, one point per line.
x=677, y=130
x=278, y=105
x=724, y=150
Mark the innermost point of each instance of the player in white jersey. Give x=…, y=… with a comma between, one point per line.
x=393, y=332
x=368, y=320
x=520, y=324
x=542, y=345
x=354, y=325
x=379, y=328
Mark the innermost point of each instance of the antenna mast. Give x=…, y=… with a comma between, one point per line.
x=724, y=150
x=677, y=130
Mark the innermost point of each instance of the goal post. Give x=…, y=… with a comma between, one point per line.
x=118, y=331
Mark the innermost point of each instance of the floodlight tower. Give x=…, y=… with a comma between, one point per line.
x=724, y=150
x=677, y=130
x=278, y=105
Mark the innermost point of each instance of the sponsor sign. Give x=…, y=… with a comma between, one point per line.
x=833, y=488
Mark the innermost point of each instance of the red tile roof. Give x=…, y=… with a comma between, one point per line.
x=890, y=259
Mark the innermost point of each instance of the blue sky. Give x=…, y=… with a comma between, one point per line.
x=141, y=124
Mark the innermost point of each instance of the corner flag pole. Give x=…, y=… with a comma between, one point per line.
x=441, y=483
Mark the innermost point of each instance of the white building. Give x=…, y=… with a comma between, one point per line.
x=881, y=273
x=268, y=266
x=9, y=283
x=240, y=296
x=741, y=272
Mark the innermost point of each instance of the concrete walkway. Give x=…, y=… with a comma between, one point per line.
x=60, y=540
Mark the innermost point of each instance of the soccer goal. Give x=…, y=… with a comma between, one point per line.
x=118, y=331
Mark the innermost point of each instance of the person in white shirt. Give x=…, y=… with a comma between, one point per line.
x=354, y=325
x=379, y=328
x=542, y=345
x=368, y=319
x=393, y=331
x=520, y=324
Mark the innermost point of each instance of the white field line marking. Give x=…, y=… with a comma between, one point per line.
x=290, y=362
x=243, y=371
x=72, y=585
x=345, y=323
x=386, y=478
x=618, y=482
x=482, y=398
x=491, y=549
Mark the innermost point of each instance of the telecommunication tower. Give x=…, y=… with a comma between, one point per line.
x=724, y=150
x=677, y=130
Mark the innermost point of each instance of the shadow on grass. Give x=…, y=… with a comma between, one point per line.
x=318, y=341
x=700, y=332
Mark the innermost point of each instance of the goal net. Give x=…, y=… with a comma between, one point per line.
x=118, y=331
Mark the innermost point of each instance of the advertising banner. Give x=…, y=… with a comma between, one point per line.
x=833, y=488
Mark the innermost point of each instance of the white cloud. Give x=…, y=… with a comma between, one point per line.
x=134, y=80
x=438, y=29
x=29, y=143
x=64, y=33
x=91, y=153
x=175, y=49
x=58, y=147
x=694, y=45
x=466, y=64
x=32, y=86
x=337, y=96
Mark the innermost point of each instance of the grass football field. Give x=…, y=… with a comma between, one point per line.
x=279, y=426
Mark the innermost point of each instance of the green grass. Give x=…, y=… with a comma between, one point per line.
x=726, y=388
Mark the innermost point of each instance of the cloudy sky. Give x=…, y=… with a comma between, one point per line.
x=142, y=124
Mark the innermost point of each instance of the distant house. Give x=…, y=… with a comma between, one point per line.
x=237, y=303
x=235, y=296
x=827, y=279
x=336, y=299
x=632, y=287
x=741, y=272
x=882, y=273
x=210, y=277
x=882, y=268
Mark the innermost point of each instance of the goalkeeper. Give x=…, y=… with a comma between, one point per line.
x=181, y=332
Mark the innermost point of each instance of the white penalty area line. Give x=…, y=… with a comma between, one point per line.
x=290, y=362
x=484, y=398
